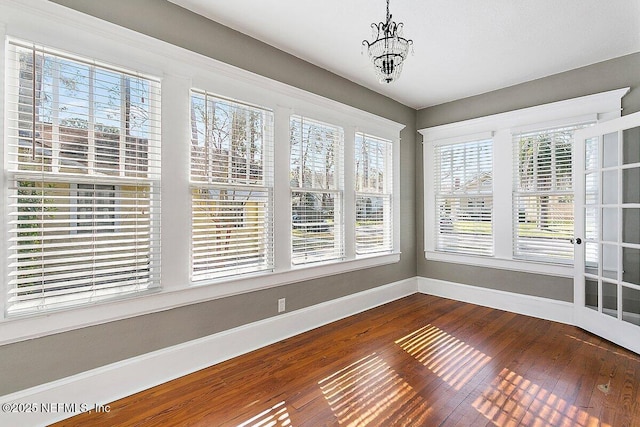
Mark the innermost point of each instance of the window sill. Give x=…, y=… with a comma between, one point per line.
x=21, y=328
x=503, y=264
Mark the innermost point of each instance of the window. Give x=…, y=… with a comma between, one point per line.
x=464, y=197
x=95, y=208
x=83, y=167
x=316, y=179
x=543, y=195
x=374, y=186
x=231, y=188
x=498, y=189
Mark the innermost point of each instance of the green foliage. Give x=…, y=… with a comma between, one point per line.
x=31, y=207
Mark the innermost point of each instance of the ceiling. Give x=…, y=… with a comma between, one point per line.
x=462, y=47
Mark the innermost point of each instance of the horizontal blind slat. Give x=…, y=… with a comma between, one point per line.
x=317, y=181
x=464, y=197
x=232, y=187
x=374, y=186
x=543, y=194
x=84, y=196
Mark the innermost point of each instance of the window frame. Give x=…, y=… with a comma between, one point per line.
x=477, y=140
x=58, y=174
x=543, y=189
x=230, y=183
x=597, y=108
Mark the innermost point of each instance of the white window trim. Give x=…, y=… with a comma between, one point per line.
x=61, y=28
x=601, y=107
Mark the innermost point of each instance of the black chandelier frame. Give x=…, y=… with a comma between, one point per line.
x=389, y=49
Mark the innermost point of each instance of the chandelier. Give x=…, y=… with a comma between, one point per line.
x=389, y=49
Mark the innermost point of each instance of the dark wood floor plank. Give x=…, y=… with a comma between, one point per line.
x=418, y=361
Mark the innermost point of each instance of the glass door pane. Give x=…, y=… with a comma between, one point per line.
x=631, y=305
x=591, y=294
x=610, y=150
x=631, y=146
x=610, y=299
x=631, y=265
x=631, y=225
x=631, y=185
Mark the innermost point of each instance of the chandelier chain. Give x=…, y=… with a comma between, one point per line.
x=388, y=16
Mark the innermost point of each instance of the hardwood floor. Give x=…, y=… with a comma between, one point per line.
x=418, y=361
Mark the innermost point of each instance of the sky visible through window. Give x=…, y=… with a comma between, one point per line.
x=79, y=94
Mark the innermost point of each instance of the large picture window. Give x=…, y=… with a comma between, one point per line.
x=83, y=166
x=231, y=187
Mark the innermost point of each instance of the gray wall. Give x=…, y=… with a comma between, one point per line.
x=32, y=362
x=608, y=75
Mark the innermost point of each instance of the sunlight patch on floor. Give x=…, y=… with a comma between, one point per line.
x=513, y=400
x=276, y=416
x=446, y=356
x=370, y=392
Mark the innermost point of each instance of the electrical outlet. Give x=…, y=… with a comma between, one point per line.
x=282, y=305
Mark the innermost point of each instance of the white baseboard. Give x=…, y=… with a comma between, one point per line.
x=543, y=308
x=111, y=382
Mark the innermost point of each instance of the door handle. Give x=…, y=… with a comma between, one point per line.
x=576, y=240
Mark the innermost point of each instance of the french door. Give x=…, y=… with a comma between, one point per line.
x=607, y=227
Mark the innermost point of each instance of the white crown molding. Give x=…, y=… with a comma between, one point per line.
x=600, y=103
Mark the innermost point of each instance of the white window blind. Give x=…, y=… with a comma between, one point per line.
x=543, y=195
x=373, y=170
x=316, y=176
x=464, y=197
x=83, y=173
x=231, y=188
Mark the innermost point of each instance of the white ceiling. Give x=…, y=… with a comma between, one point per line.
x=462, y=47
